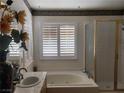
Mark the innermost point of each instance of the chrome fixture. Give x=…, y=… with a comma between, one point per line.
x=18, y=76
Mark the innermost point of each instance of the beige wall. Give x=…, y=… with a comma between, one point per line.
x=78, y=64
x=59, y=64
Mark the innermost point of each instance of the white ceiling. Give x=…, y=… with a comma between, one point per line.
x=76, y=4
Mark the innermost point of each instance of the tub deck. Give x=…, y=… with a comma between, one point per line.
x=62, y=82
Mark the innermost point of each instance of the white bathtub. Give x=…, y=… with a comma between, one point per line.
x=70, y=82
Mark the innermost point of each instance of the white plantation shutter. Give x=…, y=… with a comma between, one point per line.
x=67, y=40
x=14, y=49
x=58, y=40
x=50, y=40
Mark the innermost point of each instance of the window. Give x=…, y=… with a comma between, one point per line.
x=14, y=49
x=58, y=41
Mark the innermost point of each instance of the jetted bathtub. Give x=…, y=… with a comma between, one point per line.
x=70, y=82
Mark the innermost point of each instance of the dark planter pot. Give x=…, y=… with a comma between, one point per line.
x=3, y=55
x=6, y=74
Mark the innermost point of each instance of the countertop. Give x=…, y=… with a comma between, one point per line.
x=35, y=89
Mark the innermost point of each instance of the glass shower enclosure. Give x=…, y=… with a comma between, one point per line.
x=104, y=50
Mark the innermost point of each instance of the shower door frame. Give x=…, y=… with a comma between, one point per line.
x=117, y=44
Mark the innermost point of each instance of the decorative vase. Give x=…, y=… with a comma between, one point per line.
x=6, y=74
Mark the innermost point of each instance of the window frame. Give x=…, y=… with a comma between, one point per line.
x=58, y=43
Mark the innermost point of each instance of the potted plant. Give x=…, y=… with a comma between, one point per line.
x=7, y=34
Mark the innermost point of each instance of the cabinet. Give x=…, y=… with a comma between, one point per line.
x=44, y=88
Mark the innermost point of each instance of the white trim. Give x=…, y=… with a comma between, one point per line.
x=58, y=41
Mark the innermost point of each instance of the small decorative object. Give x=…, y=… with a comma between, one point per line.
x=7, y=34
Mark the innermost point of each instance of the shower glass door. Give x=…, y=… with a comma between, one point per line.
x=105, y=53
x=120, y=84
x=89, y=50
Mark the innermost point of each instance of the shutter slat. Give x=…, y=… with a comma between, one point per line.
x=50, y=40
x=67, y=40
x=14, y=49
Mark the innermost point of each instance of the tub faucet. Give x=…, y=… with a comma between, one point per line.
x=88, y=73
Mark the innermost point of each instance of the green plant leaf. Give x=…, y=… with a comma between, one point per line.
x=5, y=41
x=16, y=35
x=23, y=45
